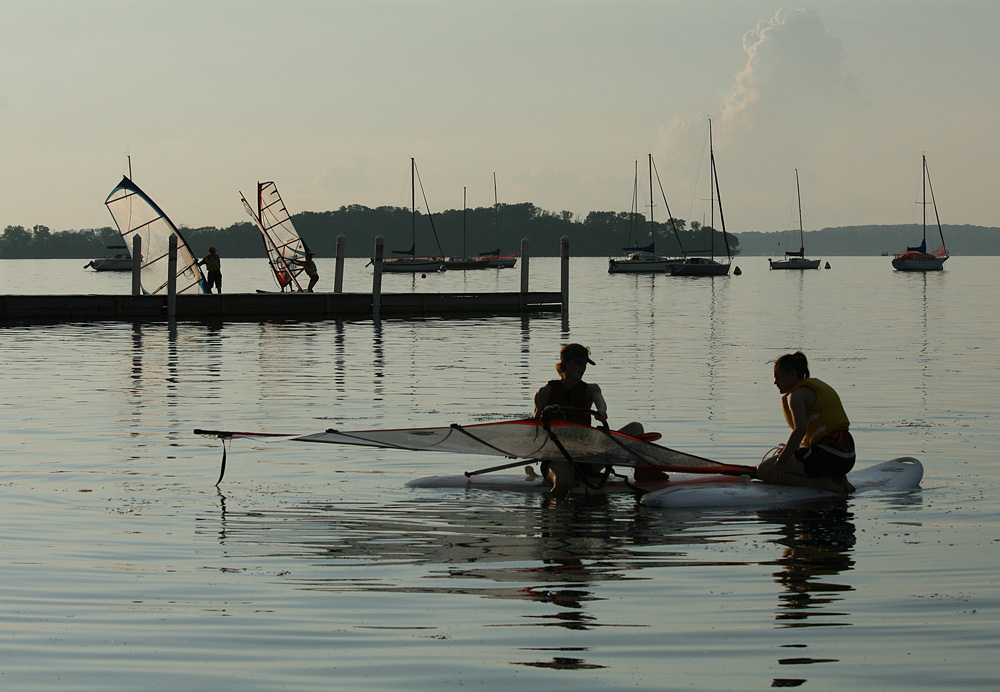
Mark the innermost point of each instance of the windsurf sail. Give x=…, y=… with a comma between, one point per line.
x=281, y=241
x=527, y=439
x=136, y=214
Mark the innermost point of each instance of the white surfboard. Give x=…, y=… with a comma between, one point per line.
x=897, y=475
x=525, y=482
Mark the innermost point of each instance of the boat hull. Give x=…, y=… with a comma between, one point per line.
x=413, y=265
x=699, y=266
x=464, y=263
x=923, y=264
x=794, y=264
x=112, y=264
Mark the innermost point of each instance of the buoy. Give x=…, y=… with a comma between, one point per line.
x=737, y=271
x=827, y=265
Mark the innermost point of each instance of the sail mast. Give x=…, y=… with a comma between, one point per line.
x=798, y=195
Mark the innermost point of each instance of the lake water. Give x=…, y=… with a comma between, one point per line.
x=311, y=567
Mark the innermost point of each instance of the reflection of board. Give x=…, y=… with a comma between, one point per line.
x=534, y=483
x=890, y=476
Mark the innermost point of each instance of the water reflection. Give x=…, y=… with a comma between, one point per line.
x=818, y=549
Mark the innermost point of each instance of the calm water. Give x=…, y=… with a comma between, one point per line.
x=122, y=567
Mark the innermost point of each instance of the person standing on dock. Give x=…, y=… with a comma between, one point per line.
x=576, y=399
x=820, y=450
x=214, y=266
x=309, y=268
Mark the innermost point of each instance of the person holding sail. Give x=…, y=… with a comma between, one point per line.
x=309, y=268
x=214, y=266
x=570, y=391
x=820, y=450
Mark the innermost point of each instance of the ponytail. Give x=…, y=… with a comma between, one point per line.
x=796, y=362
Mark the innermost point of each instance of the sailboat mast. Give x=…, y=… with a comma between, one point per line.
x=717, y=194
x=798, y=195
x=465, y=207
x=652, y=225
x=923, y=172
x=413, y=205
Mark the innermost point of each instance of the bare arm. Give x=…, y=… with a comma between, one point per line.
x=799, y=403
x=541, y=396
x=599, y=403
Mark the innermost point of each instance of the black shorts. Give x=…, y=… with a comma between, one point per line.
x=831, y=456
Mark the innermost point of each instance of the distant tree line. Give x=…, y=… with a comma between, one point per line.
x=458, y=232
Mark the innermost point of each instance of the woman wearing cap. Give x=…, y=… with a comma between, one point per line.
x=572, y=392
x=820, y=450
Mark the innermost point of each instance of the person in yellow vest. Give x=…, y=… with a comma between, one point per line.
x=571, y=391
x=820, y=450
x=214, y=266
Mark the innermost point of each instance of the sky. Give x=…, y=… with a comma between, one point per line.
x=558, y=99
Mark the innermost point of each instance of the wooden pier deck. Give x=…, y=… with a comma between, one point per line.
x=242, y=307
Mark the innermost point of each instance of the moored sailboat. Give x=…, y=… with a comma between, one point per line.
x=796, y=259
x=917, y=259
x=496, y=258
x=708, y=266
x=465, y=261
x=643, y=259
x=407, y=260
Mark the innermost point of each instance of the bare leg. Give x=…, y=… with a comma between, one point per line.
x=562, y=475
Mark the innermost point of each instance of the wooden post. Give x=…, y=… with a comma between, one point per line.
x=525, y=254
x=564, y=287
x=338, y=279
x=172, y=278
x=136, y=264
x=377, y=276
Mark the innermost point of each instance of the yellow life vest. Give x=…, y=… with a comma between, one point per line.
x=825, y=417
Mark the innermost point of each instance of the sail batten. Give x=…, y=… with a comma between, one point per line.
x=136, y=214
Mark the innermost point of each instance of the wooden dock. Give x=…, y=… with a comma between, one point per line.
x=243, y=307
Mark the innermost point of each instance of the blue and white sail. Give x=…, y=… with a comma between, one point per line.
x=136, y=214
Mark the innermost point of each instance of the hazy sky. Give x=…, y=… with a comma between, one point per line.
x=331, y=98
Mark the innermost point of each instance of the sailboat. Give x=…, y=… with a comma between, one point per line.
x=496, y=259
x=917, y=259
x=136, y=214
x=121, y=262
x=646, y=258
x=408, y=261
x=708, y=266
x=281, y=241
x=793, y=259
x=465, y=262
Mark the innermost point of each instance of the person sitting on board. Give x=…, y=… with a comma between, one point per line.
x=214, y=266
x=820, y=450
x=572, y=392
x=309, y=267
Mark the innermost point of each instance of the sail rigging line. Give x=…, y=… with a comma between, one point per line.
x=430, y=216
x=666, y=205
x=718, y=194
x=937, y=218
